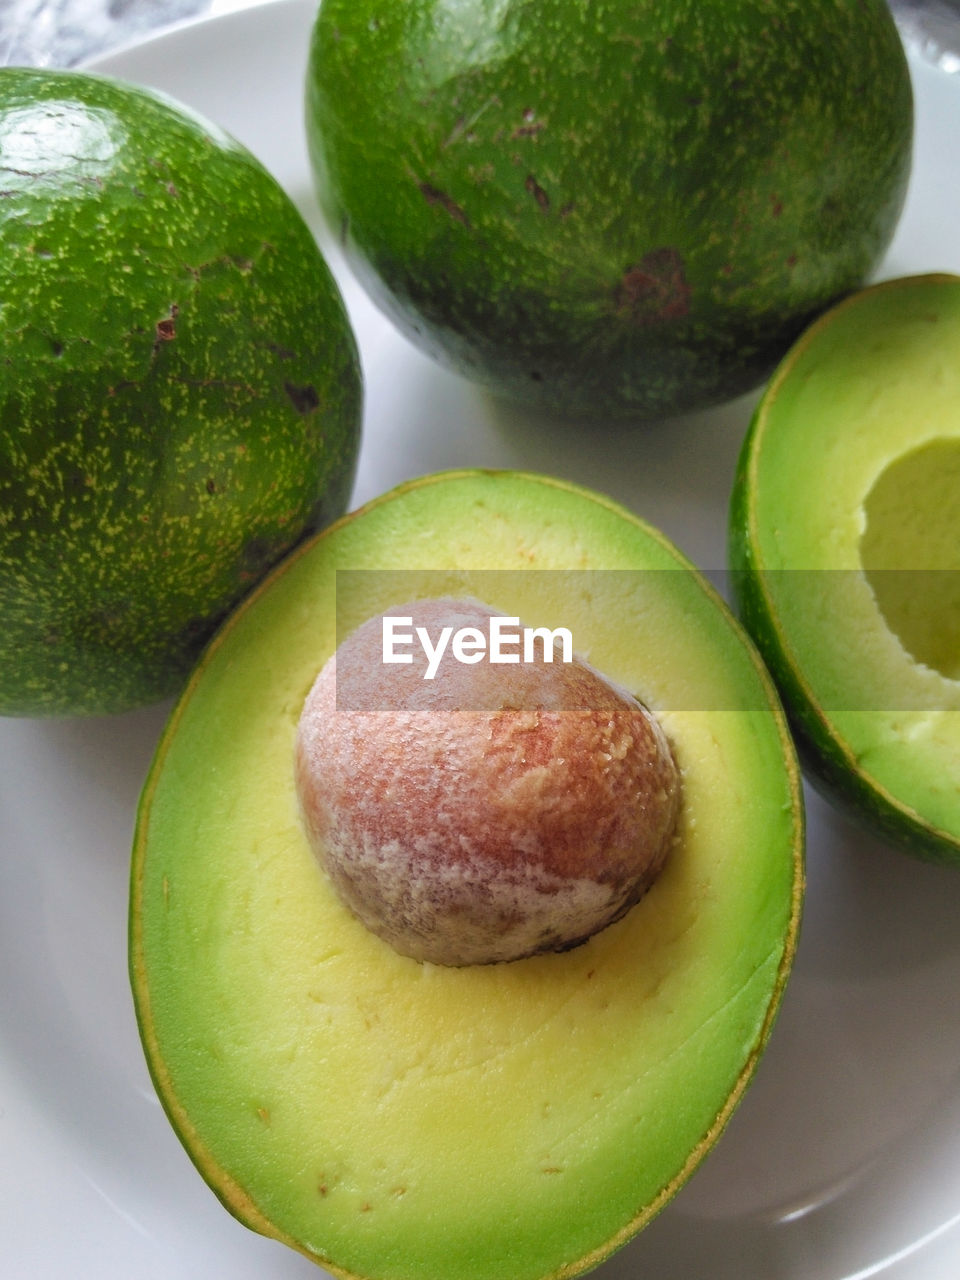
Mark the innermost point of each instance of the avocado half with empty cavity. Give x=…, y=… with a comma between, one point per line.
x=845, y=547
x=395, y=1119
x=625, y=210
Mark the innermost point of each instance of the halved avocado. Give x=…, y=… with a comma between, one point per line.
x=845, y=546
x=399, y=1120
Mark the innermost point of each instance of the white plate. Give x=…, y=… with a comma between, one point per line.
x=843, y=1161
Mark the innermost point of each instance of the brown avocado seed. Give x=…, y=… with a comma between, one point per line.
x=488, y=811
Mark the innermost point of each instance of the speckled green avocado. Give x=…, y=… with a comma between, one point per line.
x=179, y=389
x=622, y=209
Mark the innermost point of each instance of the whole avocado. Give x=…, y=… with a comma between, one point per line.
x=611, y=210
x=179, y=389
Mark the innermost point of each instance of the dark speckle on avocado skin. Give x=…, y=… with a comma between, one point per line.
x=180, y=393
x=538, y=193
x=510, y=186
x=434, y=196
x=655, y=289
x=304, y=399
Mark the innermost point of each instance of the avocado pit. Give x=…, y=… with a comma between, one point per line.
x=492, y=811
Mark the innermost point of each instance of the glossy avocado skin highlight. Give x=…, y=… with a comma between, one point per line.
x=624, y=211
x=845, y=552
x=179, y=389
x=396, y=1120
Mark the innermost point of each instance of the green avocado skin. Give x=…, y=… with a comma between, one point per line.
x=180, y=391
x=610, y=209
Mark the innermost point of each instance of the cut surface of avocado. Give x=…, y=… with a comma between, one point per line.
x=399, y=1120
x=845, y=541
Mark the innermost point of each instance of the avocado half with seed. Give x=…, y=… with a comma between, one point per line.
x=400, y=1120
x=845, y=547
x=179, y=389
x=610, y=210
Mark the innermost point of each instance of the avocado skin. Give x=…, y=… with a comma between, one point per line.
x=619, y=213
x=179, y=389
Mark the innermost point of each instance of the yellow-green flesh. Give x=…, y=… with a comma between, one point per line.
x=854, y=519
x=404, y=1121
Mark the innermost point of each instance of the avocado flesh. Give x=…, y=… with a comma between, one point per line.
x=846, y=528
x=403, y=1121
x=180, y=390
x=628, y=212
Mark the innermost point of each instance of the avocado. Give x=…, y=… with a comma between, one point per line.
x=402, y=1120
x=609, y=211
x=179, y=389
x=845, y=549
